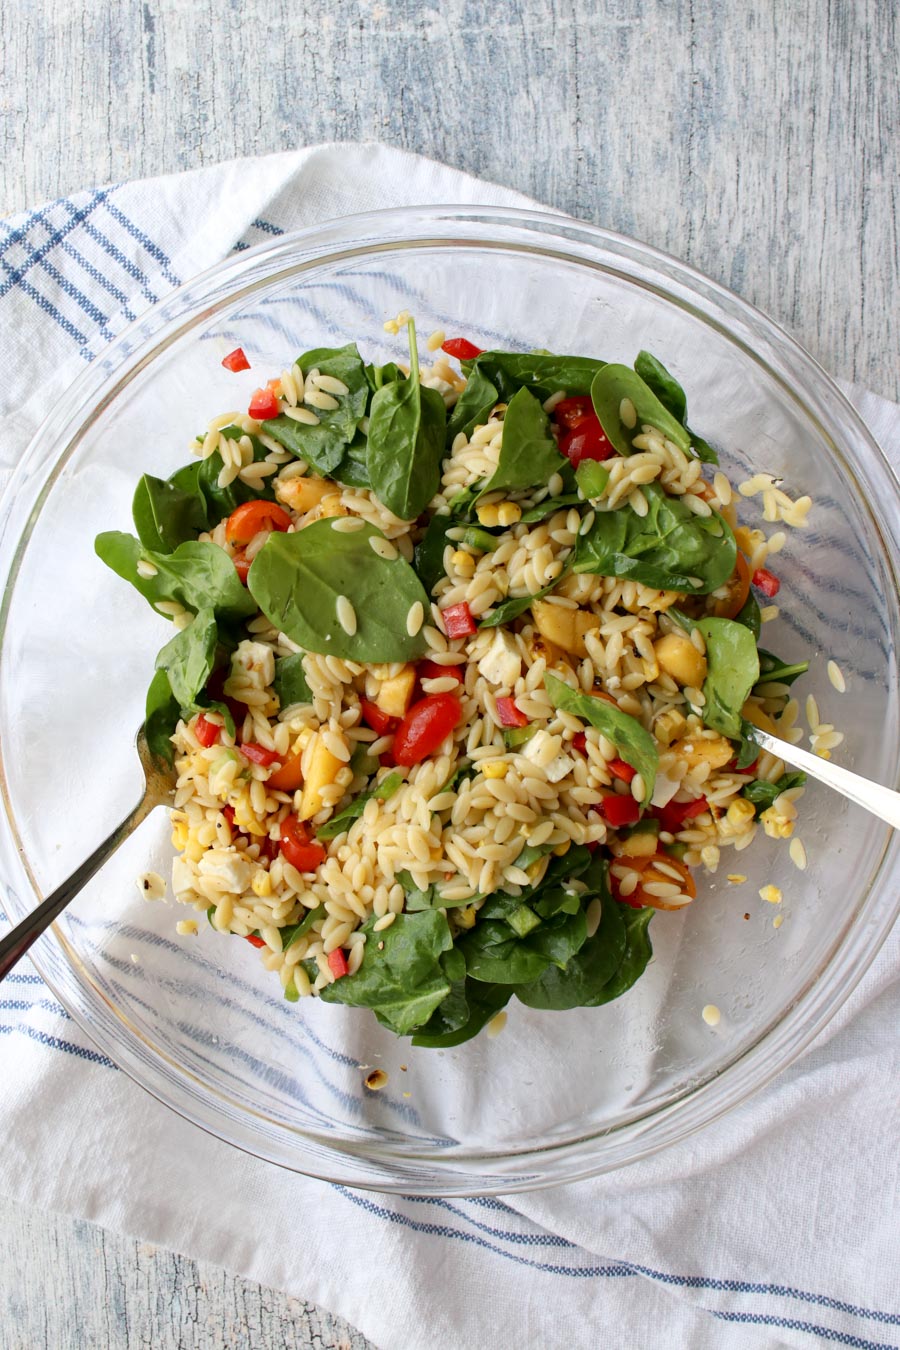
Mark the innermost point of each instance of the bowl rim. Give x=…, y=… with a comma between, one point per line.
x=779, y=1043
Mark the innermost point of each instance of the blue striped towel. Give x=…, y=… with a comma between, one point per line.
x=776, y=1226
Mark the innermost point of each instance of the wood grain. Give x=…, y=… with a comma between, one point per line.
x=759, y=141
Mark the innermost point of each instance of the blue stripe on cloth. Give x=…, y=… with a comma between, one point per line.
x=811, y=1328
x=267, y=227
x=56, y=1043
x=152, y=248
x=56, y=234
x=541, y=1239
x=49, y=308
x=130, y=268
x=97, y=276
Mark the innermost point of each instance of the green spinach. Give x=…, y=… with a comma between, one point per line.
x=732, y=671
x=529, y=455
x=189, y=658
x=353, y=810
x=161, y=716
x=772, y=670
x=496, y=955
x=166, y=515
x=290, y=683
x=197, y=576
x=580, y=985
x=638, y=952
x=428, y=558
x=672, y=396
x=633, y=742
x=297, y=579
x=750, y=617
x=323, y=445
x=550, y=505
x=611, y=386
x=542, y=373
x=406, y=441
x=473, y=407
x=762, y=793
x=483, y=1002
x=669, y=548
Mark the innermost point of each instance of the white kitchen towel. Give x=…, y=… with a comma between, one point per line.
x=775, y=1226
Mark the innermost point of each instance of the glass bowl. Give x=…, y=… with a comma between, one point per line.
x=197, y=1021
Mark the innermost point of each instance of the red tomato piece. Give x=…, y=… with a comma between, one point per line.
x=289, y=777
x=509, y=714
x=241, y=565
x=571, y=411
x=586, y=440
x=458, y=620
x=619, y=769
x=376, y=719
x=207, y=733
x=254, y=940
x=579, y=742
x=673, y=816
x=263, y=405
x=268, y=848
x=258, y=754
x=236, y=360
x=618, y=811
x=461, y=348
x=427, y=724
x=298, y=847
x=430, y=670
x=337, y=963
x=251, y=517
x=766, y=582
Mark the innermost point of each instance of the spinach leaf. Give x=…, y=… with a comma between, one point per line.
x=591, y=478
x=581, y=984
x=528, y=453
x=293, y=932
x=748, y=751
x=512, y=608
x=549, y=505
x=403, y=981
x=353, y=810
x=638, y=951
x=635, y=744
x=161, y=716
x=763, y=793
x=428, y=559
x=615, y=383
x=732, y=671
x=197, y=576
x=189, y=658
x=322, y=446
x=416, y=899
x=543, y=373
x=483, y=1002
x=165, y=515
x=297, y=579
x=406, y=441
x=750, y=617
x=453, y=1013
x=672, y=396
x=669, y=548
x=353, y=470
x=290, y=684
x=378, y=376
x=221, y=501
x=495, y=955
x=772, y=670
x=473, y=407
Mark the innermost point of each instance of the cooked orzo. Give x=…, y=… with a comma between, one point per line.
x=464, y=665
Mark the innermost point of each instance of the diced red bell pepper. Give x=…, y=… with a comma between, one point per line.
x=376, y=719
x=254, y=940
x=673, y=815
x=619, y=769
x=586, y=440
x=298, y=846
x=459, y=621
x=619, y=811
x=258, y=754
x=207, y=733
x=263, y=405
x=430, y=670
x=236, y=360
x=766, y=582
x=579, y=742
x=337, y=963
x=509, y=714
x=461, y=348
x=425, y=726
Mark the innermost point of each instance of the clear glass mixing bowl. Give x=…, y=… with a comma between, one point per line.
x=197, y=1021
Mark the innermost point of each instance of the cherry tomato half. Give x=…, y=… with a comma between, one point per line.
x=649, y=869
x=298, y=846
x=736, y=589
x=586, y=440
x=573, y=410
x=247, y=520
x=425, y=726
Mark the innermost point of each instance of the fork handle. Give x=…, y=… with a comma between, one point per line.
x=15, y=943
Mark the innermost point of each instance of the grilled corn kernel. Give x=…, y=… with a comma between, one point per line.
x=495, y=768
x=463, y=563
x=740, y=813
x=261, y=883
x=489, y=515
x=465, y=918
x=776, y=825
x=509, y=513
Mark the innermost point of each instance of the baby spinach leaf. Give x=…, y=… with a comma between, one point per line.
x=353, y=470
x=403, y=981
x=750, y=617
x=732, y=671
x=296, y=579
x=189, y=658
x=580, y=985
x=161, y=716
x=763, y=793
x=197, y=576
x=428, y=559
x=473, y=407
x=494, y=955
x=353, y=810
x=591, y=478
x=293, y=932
x=543, y=373
x=549, y=505
x=483, y=1001
x=672, y=396
x=406, y=441
x=378, y=376
x=453, y=1013
x=322, y=446
x=638, y=951
x=221, y=501
x=414, y=897
x=528, y=453
x=748, y=750
x=772, y=670
x=165, y=515
x=290, y=684
x=633, y=742
x=670, y=547
x=512, y=608
x=615, y=383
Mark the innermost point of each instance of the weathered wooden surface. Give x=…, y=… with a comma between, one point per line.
x=759, y=141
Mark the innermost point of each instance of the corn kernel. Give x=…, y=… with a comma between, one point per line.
x=186, y=928
x=463, y=563
x=740, y=813
x=465, y=918
x=772, y=894
x=776, y=825
x=495, y=768
x=509, y=513
x=179, y=836
x=489, y=515
x=261, y=883
x=562, y=849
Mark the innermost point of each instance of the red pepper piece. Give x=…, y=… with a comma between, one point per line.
x=509, y=714
x=461, y=348
x=586, y=440
x=376, y=719
x=207, y=733
x=766, y=582
x=236, y=360
x=673, y=816
x=337, y=963
x=458, y=620
x=263, y=405
x=425, y=726
x=579, y=742
x=619, y=811
x=258, y=754
x=254, y=940
x=619, y=769
x=430, y=670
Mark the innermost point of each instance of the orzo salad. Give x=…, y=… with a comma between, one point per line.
x=464, y=665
